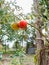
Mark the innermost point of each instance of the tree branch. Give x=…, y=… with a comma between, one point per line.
x=39, y=31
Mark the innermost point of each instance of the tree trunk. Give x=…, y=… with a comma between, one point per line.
x=40, y=43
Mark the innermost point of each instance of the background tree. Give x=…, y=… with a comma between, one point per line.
x=40, y=23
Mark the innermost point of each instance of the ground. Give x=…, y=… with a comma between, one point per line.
x=27, y=60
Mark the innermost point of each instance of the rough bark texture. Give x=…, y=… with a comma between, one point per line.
x=41, y=58
x=40, y=43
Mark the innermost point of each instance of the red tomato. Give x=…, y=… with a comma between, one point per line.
x=23, y=24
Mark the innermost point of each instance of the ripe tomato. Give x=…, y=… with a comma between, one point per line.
x=22, y=24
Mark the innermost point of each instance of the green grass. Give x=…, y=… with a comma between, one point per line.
x=27, y=60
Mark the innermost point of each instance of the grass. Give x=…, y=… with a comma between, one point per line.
x=27, y=60
x=16, y=60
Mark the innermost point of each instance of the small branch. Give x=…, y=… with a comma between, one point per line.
x=33, y=26
x=39, y=32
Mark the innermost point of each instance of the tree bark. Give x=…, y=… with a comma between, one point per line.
x=41, y=59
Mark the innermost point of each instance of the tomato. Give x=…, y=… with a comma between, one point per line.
x=15, y=26
x=22, y=24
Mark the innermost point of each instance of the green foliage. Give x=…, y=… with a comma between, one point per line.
x=9, y=52
x=7, y=16
x=44, y=5
x=15, y=62
x=35, y=59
